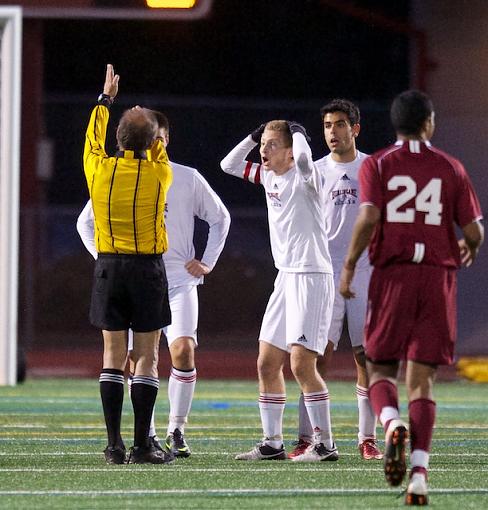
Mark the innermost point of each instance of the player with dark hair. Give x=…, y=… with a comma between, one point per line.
x=130, y=290
x=189, y=195
x=298, y=313
x=412, y=195
x=341, y=126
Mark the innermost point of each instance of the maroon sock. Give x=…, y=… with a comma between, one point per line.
x=421, y=414
x=383, y=393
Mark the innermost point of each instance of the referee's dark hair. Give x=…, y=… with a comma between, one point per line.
x=137, y=129
x=161, y=119
x=344, y=106
x=409, y=111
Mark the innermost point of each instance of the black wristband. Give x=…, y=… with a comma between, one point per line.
x=105, y=99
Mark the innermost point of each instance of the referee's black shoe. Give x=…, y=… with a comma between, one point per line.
x=154, y=440
x=148, y=455
x=115, y=454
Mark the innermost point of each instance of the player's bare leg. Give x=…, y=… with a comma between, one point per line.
x=272, y=398
x=420, y=379
x=303, y=364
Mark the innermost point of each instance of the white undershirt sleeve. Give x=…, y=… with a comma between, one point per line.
x=235, y=162
x=86, y=229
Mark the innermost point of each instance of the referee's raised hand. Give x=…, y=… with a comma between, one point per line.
x=111, y=85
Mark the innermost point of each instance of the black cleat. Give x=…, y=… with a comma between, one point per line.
x=114, y=454
x=148, y=455
x=176, y=444
x=394, y=457
x=154, y=440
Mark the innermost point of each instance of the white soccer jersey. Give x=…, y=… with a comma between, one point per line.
x=342, y=206
x=296, y=211
x=190, y=195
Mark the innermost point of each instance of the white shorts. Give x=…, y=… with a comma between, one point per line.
x=299, y=311
x=354, y=309
x=183, y=301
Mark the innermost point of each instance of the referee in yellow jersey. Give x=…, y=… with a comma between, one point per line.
x=130, y=290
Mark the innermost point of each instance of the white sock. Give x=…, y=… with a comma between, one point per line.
x=419, y=458
x=181, y=386
x=271, y=408
x=367, y=418
x=318, y=408
x=305, y=430
x=152, y=428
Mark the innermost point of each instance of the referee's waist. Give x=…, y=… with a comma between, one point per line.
x=130, y=255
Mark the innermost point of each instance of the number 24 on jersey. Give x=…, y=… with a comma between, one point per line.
x=427, y=200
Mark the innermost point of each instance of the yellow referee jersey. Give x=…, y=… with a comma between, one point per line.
x=128, y=193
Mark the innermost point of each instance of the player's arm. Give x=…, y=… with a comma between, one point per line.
x=302, y=154
x=97, y=126
x=235, y=162
x=209, y=208
x=85, y=225
x=473, y=236
x=366, y=221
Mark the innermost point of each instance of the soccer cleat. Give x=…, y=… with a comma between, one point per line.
x=369, y=450
x=176, y=444
x=417, y=491
x=318, y=452
x=394, y=456
x=300, y=446
x=263, y=451
x=114, y=454
x=154, y=440
x=148, y=455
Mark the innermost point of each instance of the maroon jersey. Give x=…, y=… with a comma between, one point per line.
x=421, y=193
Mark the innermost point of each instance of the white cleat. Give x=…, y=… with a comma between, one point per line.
x=417, y=491
x=318, y=452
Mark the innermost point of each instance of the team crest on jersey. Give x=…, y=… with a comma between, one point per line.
x=274, y=199
x=344, y=196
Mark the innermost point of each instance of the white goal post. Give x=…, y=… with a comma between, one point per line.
x=10, y=90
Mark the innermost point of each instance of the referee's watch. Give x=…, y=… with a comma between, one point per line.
x=105, y=99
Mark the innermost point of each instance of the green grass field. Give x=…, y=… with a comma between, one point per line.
x=52, y=435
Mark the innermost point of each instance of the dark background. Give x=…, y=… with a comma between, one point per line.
x=219, y=77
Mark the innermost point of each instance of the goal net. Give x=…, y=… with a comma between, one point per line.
x=10, y=89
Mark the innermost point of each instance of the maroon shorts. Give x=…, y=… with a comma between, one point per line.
x=411, y=314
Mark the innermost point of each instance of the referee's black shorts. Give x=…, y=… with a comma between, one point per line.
x=130, y=291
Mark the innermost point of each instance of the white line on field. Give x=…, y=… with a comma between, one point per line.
x=229, y=492
x=248, y=469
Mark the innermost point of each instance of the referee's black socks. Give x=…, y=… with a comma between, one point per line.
x=144, y=391
x=112, y=393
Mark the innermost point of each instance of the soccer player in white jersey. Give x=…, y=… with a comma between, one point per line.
x=341, y=124
x=298, y=313
x=190, y=195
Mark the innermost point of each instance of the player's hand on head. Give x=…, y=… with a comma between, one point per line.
x=295, y=127
x=345, y=283
x=197, y=268
x=111, y=85
x=257, y=133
